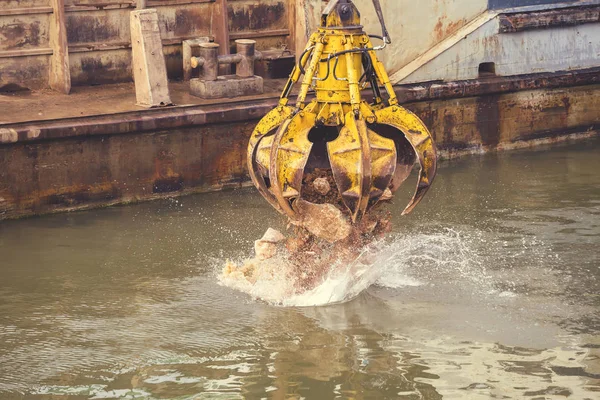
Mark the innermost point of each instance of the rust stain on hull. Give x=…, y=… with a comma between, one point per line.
x=518, y=22
x=94, y=171
x=442, y=30
x=488, y=120
x=95, y=161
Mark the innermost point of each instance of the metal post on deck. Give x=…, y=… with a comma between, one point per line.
x=220, y=28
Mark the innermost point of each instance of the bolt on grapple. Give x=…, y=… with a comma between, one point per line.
x=338, y=148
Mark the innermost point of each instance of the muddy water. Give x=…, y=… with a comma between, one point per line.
x=491, y=289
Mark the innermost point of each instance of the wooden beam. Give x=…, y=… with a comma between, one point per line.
x=161, y=3
x=308, y=16
x=119, y=45
x=25, y=11
x=148, y=61
x=220, y=31
x=40, y=51
x=291, y=39
x=259, y=34
x=95, y=46
x=220, y=24
x=91, y=6
x=60, y=76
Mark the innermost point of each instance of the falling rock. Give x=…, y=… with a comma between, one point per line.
x=321, y=186
x=273, y=236
x=264, y=250
x=387, y=195
x=293, y=245
x=266, y=247
x=323, y=220
x=367, y=224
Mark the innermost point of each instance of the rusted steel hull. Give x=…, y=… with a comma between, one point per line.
x=518, y=22
x=98, y=170
x=86, y=162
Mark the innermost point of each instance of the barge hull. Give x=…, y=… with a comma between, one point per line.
x=94, y=161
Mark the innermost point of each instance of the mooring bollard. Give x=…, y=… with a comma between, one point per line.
x=209, y=57
x=245, y=48
x=243, y=83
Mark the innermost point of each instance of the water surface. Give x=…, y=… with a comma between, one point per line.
x=490, y=289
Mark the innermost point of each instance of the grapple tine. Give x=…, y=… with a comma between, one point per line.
x=289, y=154
x=420, y=139
x=266, y=128
x=347, y=174
x=263, y=153
x=350, y=158
x=405, y=161
x=428, y=160
x=383, y=164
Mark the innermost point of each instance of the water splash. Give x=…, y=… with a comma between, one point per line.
x=402, y=260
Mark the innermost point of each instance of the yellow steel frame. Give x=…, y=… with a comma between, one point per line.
x=363, y=162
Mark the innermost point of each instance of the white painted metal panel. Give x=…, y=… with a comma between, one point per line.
x=417, y=26
x=543, y=50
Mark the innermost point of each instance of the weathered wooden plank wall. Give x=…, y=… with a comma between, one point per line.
x=98, y=39
x=25, y=42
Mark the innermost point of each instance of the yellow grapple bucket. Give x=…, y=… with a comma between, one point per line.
x=360, y=151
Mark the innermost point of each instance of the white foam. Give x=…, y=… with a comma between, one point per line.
x=341, y=284
x=401, y=261
x=277, y=281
